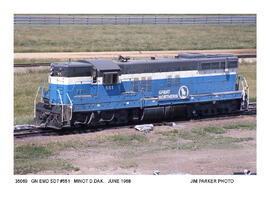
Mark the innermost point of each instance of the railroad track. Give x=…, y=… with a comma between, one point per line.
x=252, y=109
x=27, y=130
x=245, y=53
x=22, y=131
x=33, y=64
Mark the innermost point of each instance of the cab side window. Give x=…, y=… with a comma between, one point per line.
x=109, y=79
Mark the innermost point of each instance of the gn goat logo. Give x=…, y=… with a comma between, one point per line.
x=183, y=92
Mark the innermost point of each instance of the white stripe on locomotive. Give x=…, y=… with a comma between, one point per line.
x=131, y=77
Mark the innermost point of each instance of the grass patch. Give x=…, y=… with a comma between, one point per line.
x=185, y=135
x=25, y=88
x=32, y=151
x=71, y=144
x=199, y=131
x=242, y=139
x=27, y=119
x=200, y=139
x=252, y=99
x=129, y=154
x=248, y=70
x=129, y=165
x=132, y=139
x=174, y=134
x=33, y=158
x=170, y=135
x=22, y=167
x=247, y=126
x=214, y=129
x=78, y=38
x=212, y=142
x=100, y=140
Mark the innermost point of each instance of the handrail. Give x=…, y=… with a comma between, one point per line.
x=71, y=106
x=61, y=104
x=69, y=99
x=245, y=90
x=35, y=101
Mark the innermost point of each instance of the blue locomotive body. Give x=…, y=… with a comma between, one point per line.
x=89, y=92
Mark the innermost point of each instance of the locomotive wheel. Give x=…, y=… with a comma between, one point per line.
x=192, y=112
x=205, y=110
x=107, y=115
x=95, y=118
x=214, y=111
x=135, y=115
x=121, y=116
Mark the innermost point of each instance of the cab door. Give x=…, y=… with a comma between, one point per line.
x=94, y=84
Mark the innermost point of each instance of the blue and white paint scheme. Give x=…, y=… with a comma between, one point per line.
x=105, y=85
x=192, y=86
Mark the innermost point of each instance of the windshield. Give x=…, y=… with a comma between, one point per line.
x=71, y=71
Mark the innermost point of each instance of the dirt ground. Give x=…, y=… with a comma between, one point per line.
x=108, y=157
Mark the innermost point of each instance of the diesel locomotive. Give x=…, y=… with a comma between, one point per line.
x=92, y=92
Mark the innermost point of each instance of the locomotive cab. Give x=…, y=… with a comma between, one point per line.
x=55, y=108
x=73, y=83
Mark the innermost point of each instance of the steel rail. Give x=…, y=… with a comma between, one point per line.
x=48, y=63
